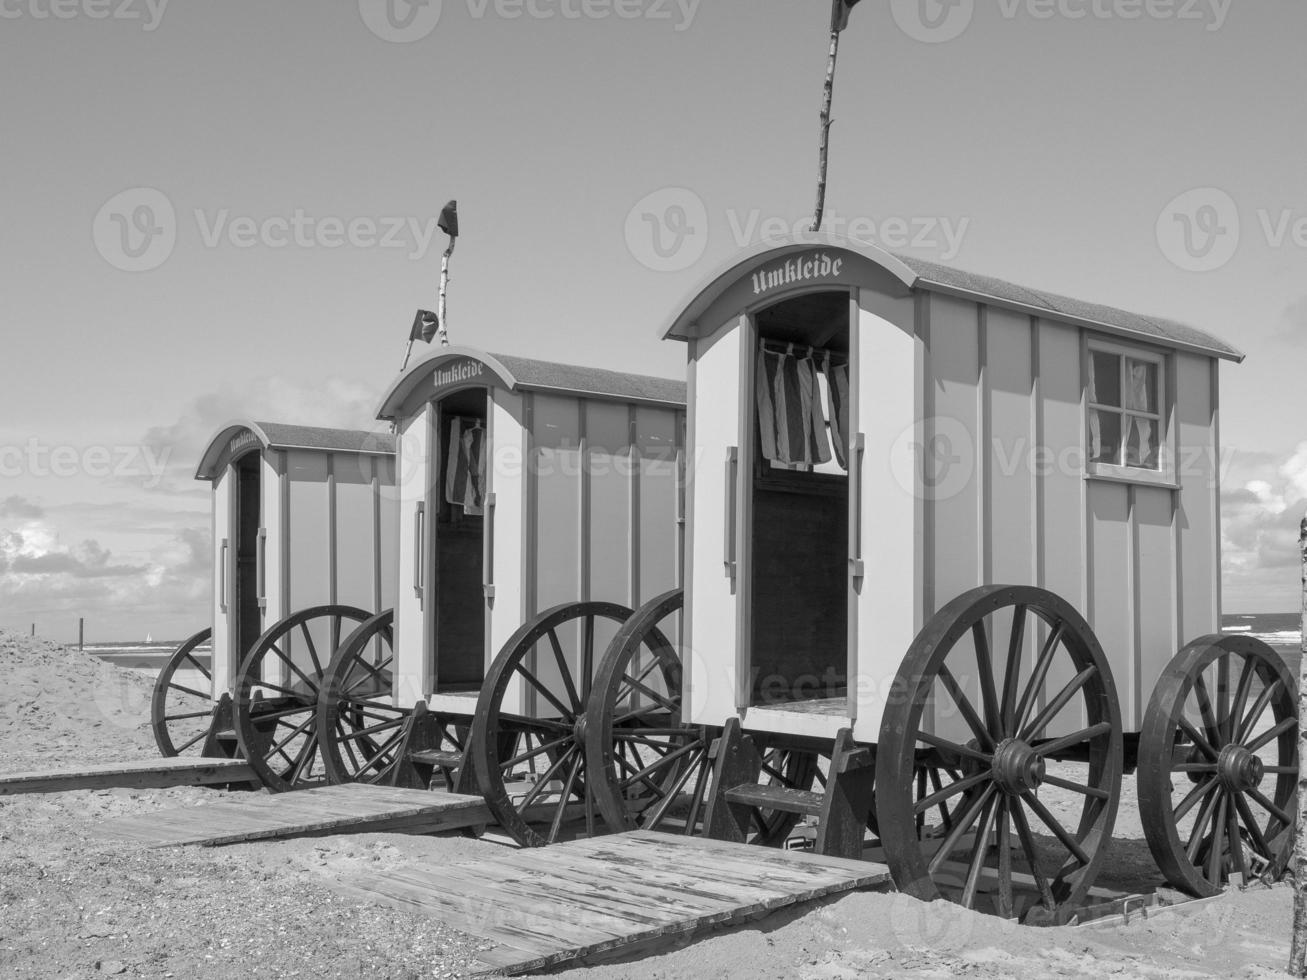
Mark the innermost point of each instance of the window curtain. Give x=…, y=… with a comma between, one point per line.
x=837, y=394
x=465, y=469
x=789, y=409
x=1095, y=426
x=1138, y=395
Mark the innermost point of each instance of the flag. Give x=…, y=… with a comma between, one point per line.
x=839, y=15
x=425, y=325
x=448, y=222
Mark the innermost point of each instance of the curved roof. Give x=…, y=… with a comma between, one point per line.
x=527, y=374
x=276, y=435
x=919, y=274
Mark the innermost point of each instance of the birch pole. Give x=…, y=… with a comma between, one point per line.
x=441, y=326
x=823, y=155
x=1298, y=949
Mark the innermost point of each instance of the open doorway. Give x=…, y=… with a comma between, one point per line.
x=249, y=519
x=800, y=501
x=459, y=504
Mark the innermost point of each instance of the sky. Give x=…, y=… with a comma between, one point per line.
x=220, y=210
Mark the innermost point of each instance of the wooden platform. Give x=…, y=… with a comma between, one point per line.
x=353, y=808
x=133, y=774
x=611, y=895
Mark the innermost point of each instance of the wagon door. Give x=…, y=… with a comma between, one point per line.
x=716, y=500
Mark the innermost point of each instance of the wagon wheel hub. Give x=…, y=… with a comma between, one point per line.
x=1017, y=769
x=1240, y=770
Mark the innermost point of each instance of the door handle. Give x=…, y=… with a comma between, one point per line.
x=728, y=537
x=488, y=549
x=419, y=540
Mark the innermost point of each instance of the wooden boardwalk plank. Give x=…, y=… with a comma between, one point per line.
x=311, y=812
x=133, y=774
x=542, y=907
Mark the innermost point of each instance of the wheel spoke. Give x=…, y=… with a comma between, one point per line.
x=549, y=696
x=936, y=782
x=1091, y=791
x=195, y=662
x=1271, y=808
x=313, y=650
x=1253, y=827
x=1050, y=821
x=664, y=701
x=960, y=828
x=953, y=789
x=1214, y=845
x=965, y=706
x=312, y=685
x=1234, y=837
x=1058, y=703
x=965, y=751
x=1198, y=738
x=1037, y=676
x=517, y=760
x=1003, y=839
x=655, y=816
x=588, y=662
x=1255, y=713
x=1200, y=825
x=188, y=715
x=1011, y=678
x=187, y=690
x=622, y=692
x=1246, y=676
x=544, y=780
x=566, y=673
x=557, y=823
x=1287, y=725
x=1075, y=738
x=985, y=665
x=183, y=748
x=1194, y=795
x=1027, y=839
x=1205, y=708
x=979, y=853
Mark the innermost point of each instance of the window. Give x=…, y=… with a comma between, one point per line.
x=1125, y=402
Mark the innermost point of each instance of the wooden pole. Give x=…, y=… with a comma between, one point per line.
x=1298, y=950
x=442, y=327
x=81, y=633
x=823, y=156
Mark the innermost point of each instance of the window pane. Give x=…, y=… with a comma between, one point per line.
x=1105, y=437
x=1141, y=385
x=1104, y=378
x=1141, y=443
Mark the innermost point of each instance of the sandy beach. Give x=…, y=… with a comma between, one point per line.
x=74, y=905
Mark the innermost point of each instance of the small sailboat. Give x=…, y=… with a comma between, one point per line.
x=149, y=638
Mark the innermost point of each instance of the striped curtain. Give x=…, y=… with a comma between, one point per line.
x=465, y=469
x=837, y=396
x=789, y=409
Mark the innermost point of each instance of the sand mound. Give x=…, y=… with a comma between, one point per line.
x=62, y=706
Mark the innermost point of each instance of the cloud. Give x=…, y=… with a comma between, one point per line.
x=1293, y=329
x=332, y=403
x=19, y=507
x=1262, y=502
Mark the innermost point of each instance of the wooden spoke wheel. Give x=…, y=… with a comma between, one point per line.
x=359, y=729
x=647, y=769
x=181, y=708
x=1005, y=831
x=276, y=695
x=528, y=734
x=1218, y=764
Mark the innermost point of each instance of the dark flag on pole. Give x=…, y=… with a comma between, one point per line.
x=839, y=16
x=448, y=222
x=424, y=329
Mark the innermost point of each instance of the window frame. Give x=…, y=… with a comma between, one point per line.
x=1164, y=473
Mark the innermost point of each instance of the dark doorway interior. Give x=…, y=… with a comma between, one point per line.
x=248, y=491
x=799, y=593
x=460, y=629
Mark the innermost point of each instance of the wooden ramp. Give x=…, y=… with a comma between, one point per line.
x=133, y=774
x=611, y=895
x=353, y=808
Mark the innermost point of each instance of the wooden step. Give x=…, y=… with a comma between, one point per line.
x=437, y=757
x=770, y=797
x=136, y=774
